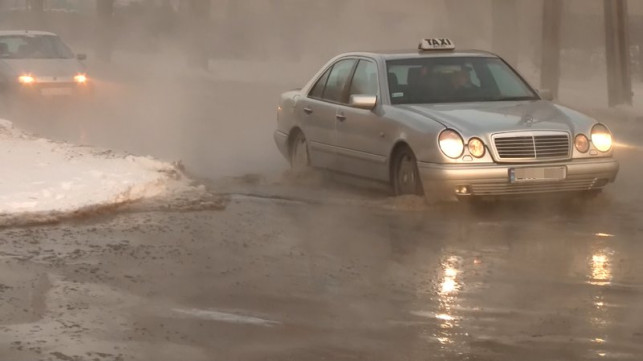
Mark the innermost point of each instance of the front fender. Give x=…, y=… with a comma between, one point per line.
x=418, y=132
x=286, y=117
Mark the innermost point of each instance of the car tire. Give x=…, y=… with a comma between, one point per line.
x=405, y=177
x=299, y=156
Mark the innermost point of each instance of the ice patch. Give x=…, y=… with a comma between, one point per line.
x=7, y=130
x=22, y=205
x=39, y=178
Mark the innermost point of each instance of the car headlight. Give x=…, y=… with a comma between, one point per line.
x=476, y=147
x=451, y=143
x=80, y=78
x=581, y=143
x=601, y=138
x=26, y=79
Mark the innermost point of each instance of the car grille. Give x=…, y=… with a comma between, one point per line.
x=530, y=147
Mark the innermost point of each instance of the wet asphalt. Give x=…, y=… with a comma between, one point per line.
x=268, y=278
x=314, y=269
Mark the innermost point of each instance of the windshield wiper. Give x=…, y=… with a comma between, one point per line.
x=504, y=99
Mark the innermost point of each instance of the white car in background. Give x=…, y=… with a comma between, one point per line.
x=36, y=64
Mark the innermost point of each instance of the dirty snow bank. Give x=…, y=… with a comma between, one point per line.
x=43, y=179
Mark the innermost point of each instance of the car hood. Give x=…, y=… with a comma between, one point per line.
x=45, y=67
x=495, y=117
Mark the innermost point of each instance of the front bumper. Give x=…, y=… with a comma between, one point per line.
x=451, y=180
x=52, y=90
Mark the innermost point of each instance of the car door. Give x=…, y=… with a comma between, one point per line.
x=362, y=134
x=318, y=111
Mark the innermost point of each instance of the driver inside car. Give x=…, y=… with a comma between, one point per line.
x=461, y=84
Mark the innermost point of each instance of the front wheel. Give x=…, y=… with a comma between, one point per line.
x=405, y=175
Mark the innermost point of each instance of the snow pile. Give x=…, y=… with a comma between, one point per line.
x=39, y=177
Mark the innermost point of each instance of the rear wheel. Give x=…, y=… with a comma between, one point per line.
x=405, y=177
x=299, y=158
x=591, y=194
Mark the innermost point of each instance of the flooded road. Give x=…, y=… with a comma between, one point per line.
x=270, y=278
x=311, y=269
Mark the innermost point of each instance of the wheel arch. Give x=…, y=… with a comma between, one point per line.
x=399, y=144
x=294, y=131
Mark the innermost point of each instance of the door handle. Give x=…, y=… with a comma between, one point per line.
x=340, y=117
x=308, y=110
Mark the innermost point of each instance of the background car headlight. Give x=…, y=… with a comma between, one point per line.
x=80, y=78
x=581, y=143
x=476, y=147
x=451, y=143
x=26, y=79
x=601, y=138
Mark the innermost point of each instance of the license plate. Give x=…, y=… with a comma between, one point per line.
x=55, y=91
x=537, y=174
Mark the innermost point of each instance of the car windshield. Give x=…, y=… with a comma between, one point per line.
x=453, y=80
x=33, y=47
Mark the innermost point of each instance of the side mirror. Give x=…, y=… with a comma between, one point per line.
x=546, y=94
x=81, y=56
x=361, y=101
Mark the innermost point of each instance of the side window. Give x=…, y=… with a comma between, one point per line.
x=318, y=89
x=365, y=79
x=337, y=80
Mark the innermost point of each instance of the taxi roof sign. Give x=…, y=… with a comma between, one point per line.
x=436, y=44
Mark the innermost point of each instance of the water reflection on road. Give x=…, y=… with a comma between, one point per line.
x=600, y=276
x=547, y=284
x=447, y=293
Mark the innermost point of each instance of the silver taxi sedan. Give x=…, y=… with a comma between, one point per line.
x=444, y=123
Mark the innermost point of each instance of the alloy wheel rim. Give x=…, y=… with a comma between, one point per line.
x=407, y=182
x=300, y=156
